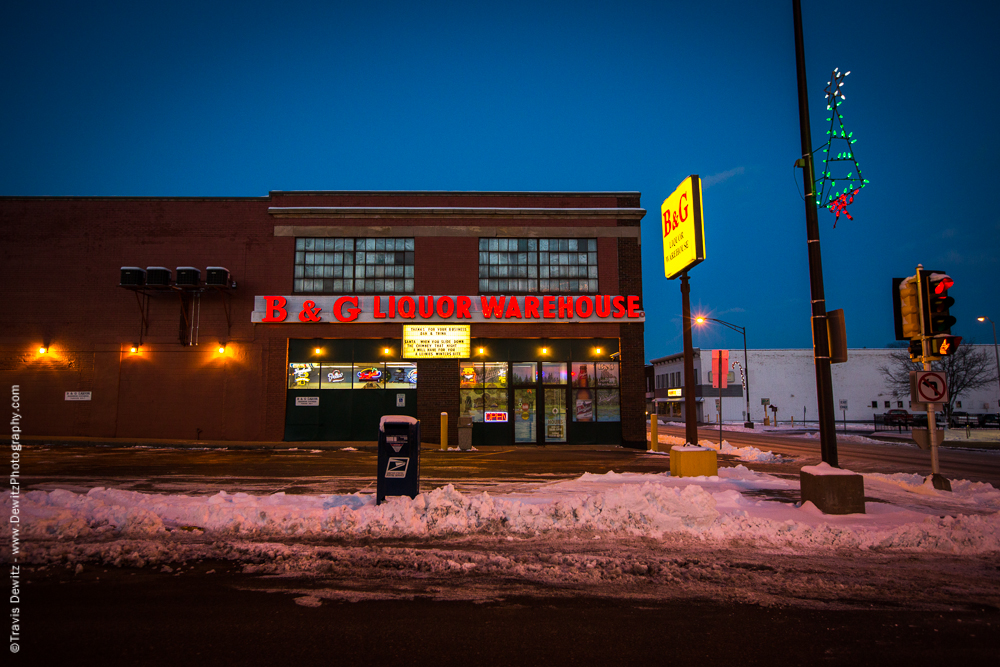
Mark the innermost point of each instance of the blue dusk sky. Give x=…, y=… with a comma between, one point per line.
x=218, y=99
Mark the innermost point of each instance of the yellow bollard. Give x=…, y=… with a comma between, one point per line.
x=444, y=431
x=654, y=439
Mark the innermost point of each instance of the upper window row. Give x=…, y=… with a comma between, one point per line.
x=538, y=265
x=370, y=265
x=385, y=265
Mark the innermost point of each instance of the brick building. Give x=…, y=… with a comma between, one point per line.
x=282, y=317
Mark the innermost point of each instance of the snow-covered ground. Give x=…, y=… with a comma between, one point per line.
x=738, y=535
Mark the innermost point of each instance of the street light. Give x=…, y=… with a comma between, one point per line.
x=986, y=319
x=701, y=320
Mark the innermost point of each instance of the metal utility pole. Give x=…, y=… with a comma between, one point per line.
x=820, y=334
x=690, y=406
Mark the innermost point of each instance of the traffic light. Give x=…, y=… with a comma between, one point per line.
x=935, y=286
x=916, y=351
x=905, y=308
x=944, y=346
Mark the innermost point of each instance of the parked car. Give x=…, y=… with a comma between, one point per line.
x=989, y=420
x=920, y=419
x=962, y=419
x=894, y=417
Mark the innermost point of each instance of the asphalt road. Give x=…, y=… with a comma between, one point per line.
x=132, y=617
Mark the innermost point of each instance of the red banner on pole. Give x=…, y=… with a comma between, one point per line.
x=720, y=366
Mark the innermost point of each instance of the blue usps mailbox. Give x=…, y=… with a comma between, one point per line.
x=398, y=457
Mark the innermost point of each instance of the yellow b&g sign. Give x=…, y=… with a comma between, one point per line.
x=683, y=228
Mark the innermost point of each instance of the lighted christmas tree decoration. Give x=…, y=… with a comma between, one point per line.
x=836, y=189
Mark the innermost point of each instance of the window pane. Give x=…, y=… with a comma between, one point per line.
x=525, y=373
x=380, y=244
x=495, y=374
x=553, y=373
x=300, y=244
x=606, y=374
x=608, y=405
x=471, y=404
x=303, y=376
x=336, y=376
x=310, y=244
x=401, y=375
x=495, y=400
x=470, y=374
x=582, y=374
x=369, y=375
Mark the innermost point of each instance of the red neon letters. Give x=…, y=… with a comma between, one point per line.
x=389, y=308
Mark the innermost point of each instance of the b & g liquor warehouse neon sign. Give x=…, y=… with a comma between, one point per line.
x=385, y=309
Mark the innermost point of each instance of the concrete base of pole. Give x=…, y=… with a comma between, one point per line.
x=940, y=482
x=839, y=492
x=747, y=424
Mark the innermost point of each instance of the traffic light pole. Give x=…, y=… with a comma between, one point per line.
x=821, y=342
x=925, y=351
x=690, y=406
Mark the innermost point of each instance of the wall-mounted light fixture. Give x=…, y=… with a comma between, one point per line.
x=43, y=350
x=135, y=349
x=222, y=348
x=597, y=350
x=318, y=350
x=482, y=350
x=545, y=350
x=385, y=350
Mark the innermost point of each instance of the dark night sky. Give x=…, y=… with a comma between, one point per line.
x=192, y=99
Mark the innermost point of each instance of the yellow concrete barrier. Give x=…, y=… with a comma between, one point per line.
x=444, y=431
x=691, y=461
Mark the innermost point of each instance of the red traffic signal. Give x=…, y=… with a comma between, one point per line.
x=937, y=319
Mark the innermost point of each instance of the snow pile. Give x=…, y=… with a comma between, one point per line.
x=748, y=454
x=737, y=505
x=646, y=509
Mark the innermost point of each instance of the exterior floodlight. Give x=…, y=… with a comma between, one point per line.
x=545, y=350
x=222, y=348
x=43, y=350
x=318, y=350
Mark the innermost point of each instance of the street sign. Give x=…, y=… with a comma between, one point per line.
x=765, y=401
x=843, y=404
x=921, y=436
x=930, y=387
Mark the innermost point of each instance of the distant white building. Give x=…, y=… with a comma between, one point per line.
x=787, y=379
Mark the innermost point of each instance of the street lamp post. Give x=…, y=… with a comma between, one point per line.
x=986, y=319
x=746, y=365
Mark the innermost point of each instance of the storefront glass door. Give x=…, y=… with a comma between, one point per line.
x=525, y=415
x=554, y=380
